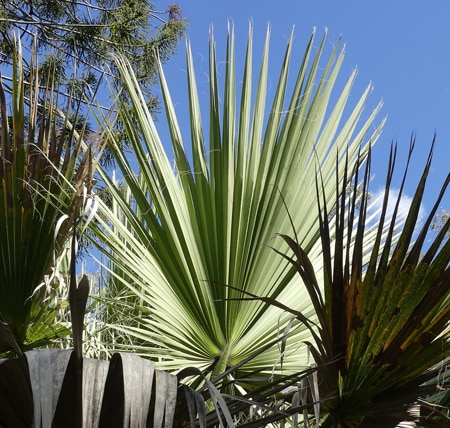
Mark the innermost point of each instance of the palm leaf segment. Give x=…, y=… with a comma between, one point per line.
x=60, y=388
x=177, y=237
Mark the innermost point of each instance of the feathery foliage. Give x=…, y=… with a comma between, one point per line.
x=76, y=39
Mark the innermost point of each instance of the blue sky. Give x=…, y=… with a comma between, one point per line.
x=403, y=48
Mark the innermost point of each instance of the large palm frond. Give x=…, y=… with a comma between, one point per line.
x=188, y=242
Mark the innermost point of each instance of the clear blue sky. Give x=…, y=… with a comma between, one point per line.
x=402, y=47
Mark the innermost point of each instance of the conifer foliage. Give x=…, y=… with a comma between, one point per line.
x=76, y=39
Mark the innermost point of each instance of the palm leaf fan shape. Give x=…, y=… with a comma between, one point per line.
x=187, y=242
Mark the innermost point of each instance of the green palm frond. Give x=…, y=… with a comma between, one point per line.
x=379, y=346
x=43, y=172
x=188, y=242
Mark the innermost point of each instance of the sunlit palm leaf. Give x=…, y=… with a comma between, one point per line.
x=177, y=238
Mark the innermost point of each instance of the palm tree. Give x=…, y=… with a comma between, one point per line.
x=381, y=344
x=45, y=179
x=186, y=243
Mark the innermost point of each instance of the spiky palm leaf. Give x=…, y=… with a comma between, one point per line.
x=179, y=239
x=377, y=345
x=43, y=173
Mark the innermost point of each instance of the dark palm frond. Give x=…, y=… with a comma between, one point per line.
x=238, y=401
x=382, y=338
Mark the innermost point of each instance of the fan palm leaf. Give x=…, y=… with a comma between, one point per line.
x=189, y=241
x=43, y=173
